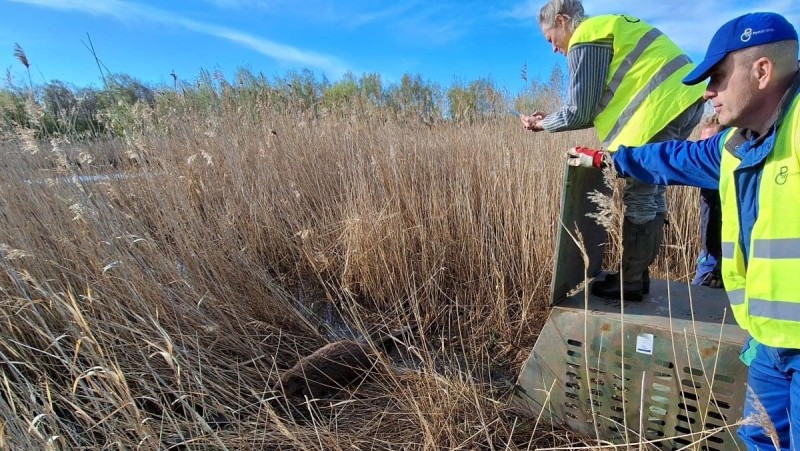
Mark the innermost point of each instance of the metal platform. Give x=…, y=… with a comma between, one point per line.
x=667, y=366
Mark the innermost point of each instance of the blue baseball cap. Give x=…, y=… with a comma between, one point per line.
x=742, y=32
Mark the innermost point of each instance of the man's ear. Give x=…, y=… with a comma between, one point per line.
x=560, y=20
x=763, y=71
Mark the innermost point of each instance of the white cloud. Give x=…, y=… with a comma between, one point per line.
x=435, y=24
x=524, y=11
x=128, y=12
x=247, y=4
x=409, y=21
x=115, y=8
x=349, y=14
x=380, y=15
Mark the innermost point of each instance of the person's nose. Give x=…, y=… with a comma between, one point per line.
x=711, y=90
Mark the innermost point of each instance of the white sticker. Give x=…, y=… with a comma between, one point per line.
x=644, y=344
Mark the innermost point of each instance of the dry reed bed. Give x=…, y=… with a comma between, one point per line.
x=155, y=309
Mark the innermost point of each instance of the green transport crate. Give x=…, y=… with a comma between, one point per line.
x=664, y=372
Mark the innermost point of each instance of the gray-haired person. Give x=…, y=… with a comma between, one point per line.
x=625, y=80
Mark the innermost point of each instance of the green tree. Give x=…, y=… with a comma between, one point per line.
x=12, y=109
x=372, y=90
x=59, y=105
x=539, y=96
x=342, y=97
x=479, y=100
x=302, y=90
x=415, y=98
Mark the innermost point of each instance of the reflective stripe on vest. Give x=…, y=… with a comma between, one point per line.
x=660, y=77
x=765, y=293
x=736, y=297
x=626, y=64
x=643, y=92
x=727, y=249
x=777, y=248
x=786, y=310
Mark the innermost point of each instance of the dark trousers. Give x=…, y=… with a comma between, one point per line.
x=710, y=234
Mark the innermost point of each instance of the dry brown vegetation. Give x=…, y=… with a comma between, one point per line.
x=155, y=310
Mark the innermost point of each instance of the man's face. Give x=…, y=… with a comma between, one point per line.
x=558, y=36
x=733, y=89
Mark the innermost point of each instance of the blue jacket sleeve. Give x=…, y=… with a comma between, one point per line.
x=692, y=163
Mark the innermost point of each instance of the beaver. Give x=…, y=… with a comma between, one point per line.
x=333, y=367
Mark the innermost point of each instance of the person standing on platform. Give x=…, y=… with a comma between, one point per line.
x=625, y=81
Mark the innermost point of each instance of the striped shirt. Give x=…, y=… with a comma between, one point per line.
x=588, y=66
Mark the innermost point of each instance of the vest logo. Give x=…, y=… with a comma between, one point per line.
x=629, y=19
x=780, y=179
x=748, y=33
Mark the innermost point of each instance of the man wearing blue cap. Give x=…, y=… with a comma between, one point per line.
x=754, y=86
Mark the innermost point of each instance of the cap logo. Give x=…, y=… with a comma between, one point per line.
x=748, y=33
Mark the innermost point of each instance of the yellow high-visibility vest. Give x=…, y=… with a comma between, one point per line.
x=765, y=294
x=643, y=91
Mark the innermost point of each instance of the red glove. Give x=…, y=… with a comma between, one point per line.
x=585, y=157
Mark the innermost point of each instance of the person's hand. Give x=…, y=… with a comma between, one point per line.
x=585, y=157
x=533, y=122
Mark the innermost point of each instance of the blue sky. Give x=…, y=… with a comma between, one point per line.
x=442, y=40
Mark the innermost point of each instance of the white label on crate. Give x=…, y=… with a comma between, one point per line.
x=644, y=344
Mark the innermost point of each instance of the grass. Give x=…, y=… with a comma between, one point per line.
x=155, y=310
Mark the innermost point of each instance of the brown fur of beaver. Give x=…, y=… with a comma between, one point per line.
x=333, y=367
